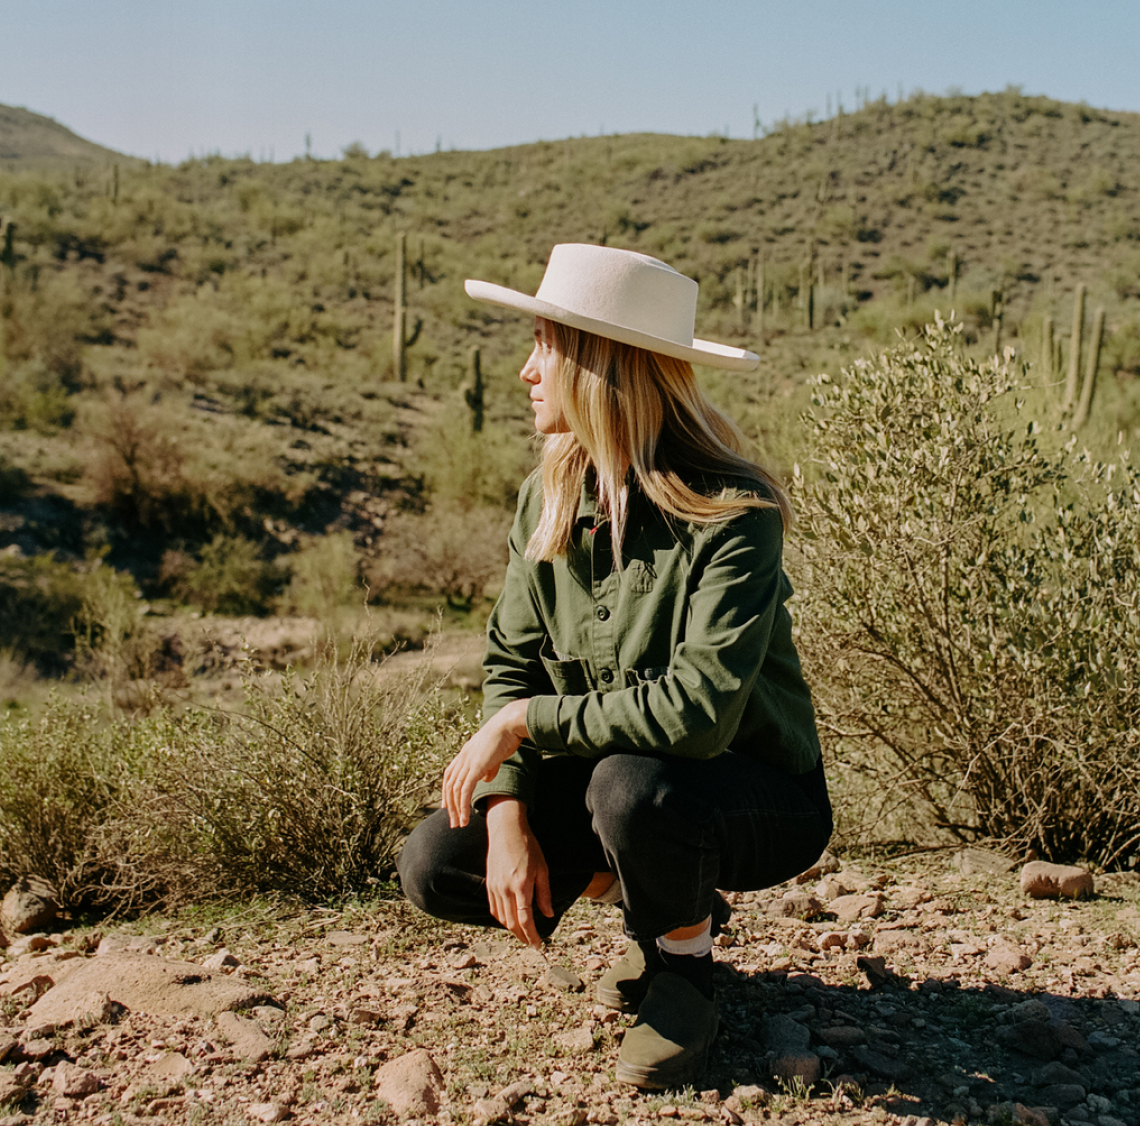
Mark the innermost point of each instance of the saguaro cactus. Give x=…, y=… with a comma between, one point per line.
x=1075, y=349
x=401, y=342
x=7, y=246
x=473, y=393
x=953, y=276
x=1089, y=386
x=997, y=309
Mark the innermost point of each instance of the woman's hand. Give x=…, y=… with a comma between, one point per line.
x=479, y=759
x=517, y=875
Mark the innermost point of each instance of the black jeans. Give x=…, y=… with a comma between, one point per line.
x=673, y=830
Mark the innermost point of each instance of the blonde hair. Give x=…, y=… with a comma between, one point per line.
x=628, y=408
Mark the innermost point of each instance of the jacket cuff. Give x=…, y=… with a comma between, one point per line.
x=542, y=723
x=511, y=782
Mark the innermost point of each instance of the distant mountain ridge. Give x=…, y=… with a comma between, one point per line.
x=31, y=140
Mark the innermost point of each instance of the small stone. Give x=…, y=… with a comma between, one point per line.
x=900, y=942
x=346, y=938
x=805, y=1066
x=833, y=940
x=1036, y=1038
x=1008, y=960
x=30, y=905
x=782, y=1035
x=1040, y=880
x=842, y=1036
x=267, y=1112
x=74, y=1082
x=826, y=863
x=465, y=962
x=248, y=1041
x=795, y=905
x=881, y=1065
x=411, y=1084
x=222, y=960
x=566, y=980
x=367, y=1015
x=575, y=1041
x=849, y=908
x=126, y=944
x=1062, y=1095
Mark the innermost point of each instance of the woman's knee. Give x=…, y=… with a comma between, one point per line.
x=431, y=852
x=627, y=794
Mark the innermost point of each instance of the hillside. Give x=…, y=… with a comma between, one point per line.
x=32, y=141
x=197, y=360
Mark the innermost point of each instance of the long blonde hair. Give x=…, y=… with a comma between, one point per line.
x=628, y=408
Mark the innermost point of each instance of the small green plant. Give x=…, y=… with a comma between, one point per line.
x=971, y=605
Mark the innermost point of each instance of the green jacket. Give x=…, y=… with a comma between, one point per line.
x=686, y=650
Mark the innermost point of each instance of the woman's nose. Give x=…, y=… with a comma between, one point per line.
x=530, y=372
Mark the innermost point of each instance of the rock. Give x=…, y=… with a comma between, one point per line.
x=346, y=938
x=411, y=1084
x=91, y=1009
x=895, y=942
x=879, y=1064
x=73, y=1082
x=575, y=1041
x=1040, y=880
x=222, y=960
x=805, y=1066
x=144, y=983
x=842, y=1036
x=833, y=940
x=248, y=1041
x=1062, y=1095
x=1008, y=960
x=267, y=1112
x=795, y=905
x=30, y=905
x=1031, y=1010
x=27, y=983
x=557, y=977
x=169, y=1067
x=849, y=908
x=7, y=1043
x=1033, y=1038
x=874, y=969
x=782, y=1034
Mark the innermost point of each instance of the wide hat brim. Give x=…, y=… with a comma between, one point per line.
x=698, y=352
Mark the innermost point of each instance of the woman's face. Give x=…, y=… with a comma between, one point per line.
x=540, y=373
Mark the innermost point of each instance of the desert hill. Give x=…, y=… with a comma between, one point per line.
x=31, y=140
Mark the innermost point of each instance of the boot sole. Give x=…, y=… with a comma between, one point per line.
x=666, y=1076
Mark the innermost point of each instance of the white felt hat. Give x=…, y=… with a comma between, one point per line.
x=623, y=296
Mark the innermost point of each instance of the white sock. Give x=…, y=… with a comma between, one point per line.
x=698, y=947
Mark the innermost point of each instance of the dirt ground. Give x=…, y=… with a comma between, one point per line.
x=921, y=988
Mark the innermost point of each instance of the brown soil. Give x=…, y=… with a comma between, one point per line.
x=942, y=1028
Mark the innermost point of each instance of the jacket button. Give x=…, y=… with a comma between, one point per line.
x=603, y=613
x=607, y=676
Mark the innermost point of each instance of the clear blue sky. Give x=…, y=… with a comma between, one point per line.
x=168, y=79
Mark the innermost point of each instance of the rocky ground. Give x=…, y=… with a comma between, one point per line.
x=928, y=988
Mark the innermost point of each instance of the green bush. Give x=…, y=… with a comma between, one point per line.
x=971, y=608
x=228, y=577
x=40, y=598
x=307, y=793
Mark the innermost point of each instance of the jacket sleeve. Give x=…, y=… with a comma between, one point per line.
x=513, y=665
x=735, y=590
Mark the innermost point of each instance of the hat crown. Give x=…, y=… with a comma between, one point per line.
x=621, y=287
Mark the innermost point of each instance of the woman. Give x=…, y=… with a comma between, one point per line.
x=648, y=736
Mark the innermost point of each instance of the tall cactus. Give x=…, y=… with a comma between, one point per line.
x=1089, y=386
x=953, y=276
x=473, y=393
x=1075, y=349
x=1047, y=349
x=401, y=342
x=997, y=309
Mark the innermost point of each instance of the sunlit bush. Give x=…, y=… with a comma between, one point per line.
x=971, y=608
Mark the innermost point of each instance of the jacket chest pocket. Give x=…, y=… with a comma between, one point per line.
x=570, y=677
x=640, y=577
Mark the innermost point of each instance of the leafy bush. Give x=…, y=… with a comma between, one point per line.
x=450, y=550
x=307, y=794
x=40, y=598
x=971, y=608
x=228, y=577
x=325, y=577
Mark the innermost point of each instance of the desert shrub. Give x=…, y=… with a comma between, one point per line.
x=308, y=795
x=61, y=775
x=971, y=608
x=40, y=597
x=229, y=576
x=325, y=577
x=450, y=550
